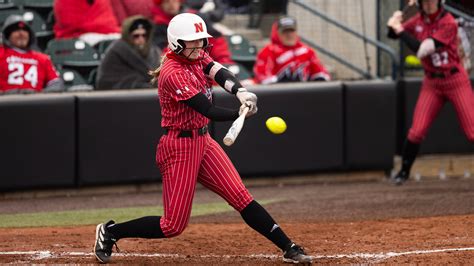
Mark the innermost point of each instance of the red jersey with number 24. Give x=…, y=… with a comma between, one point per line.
x=444, y=29
x=25, y=69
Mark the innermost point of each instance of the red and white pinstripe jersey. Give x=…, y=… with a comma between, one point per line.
x=179, y=80
x=443, y=28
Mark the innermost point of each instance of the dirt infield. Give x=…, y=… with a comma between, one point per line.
x=367, y=221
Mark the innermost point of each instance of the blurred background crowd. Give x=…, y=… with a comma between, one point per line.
x=84, y=45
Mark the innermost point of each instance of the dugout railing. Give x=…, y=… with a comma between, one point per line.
x=367, y=40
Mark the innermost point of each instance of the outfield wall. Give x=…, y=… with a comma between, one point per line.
x=83, y=139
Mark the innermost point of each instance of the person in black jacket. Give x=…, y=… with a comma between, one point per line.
x=129, y=59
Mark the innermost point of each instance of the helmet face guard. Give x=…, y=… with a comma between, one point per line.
x=205, y=50
x=186, y=27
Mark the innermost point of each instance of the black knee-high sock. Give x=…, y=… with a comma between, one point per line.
x=410, y=150
x=145, y=227
x=261, y=221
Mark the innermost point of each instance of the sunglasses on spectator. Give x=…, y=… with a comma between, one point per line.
x=136, y=36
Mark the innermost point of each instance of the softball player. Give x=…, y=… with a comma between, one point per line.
x=432, y=34
x=186, y=153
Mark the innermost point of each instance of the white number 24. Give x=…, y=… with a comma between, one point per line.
x=17, y=74
x=439, y=59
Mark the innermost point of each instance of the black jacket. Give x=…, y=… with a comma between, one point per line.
x=124, y=67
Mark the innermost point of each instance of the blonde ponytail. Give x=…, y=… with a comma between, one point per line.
x=155, y=73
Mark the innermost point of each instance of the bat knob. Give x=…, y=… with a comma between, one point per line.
x=228, y=141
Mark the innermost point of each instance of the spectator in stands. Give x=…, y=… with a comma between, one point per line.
x=129, y=59
x=92, y=21
x=127, y=8
x=286, y=58
x=23, y=70
x=165, y=10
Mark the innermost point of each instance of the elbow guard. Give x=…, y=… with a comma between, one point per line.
x=223, y=77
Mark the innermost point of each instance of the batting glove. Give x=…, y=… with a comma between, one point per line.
x=244, y=96
x=252, y=108
x=395, y=22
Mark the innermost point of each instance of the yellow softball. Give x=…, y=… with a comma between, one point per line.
x=412, y=61
x=276, y=125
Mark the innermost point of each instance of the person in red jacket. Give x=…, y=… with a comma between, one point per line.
x=90, y=20
x=23, y=70
x=286, y=58
x=126, y=8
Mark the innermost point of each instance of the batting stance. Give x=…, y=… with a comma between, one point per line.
x=432, y=34
x=186, y=153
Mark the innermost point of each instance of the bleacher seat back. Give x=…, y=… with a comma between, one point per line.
x=34, y=20
x=38, y=3
x=72, y=52
x=241, y=49
x=73, y=80
x=102, y=47
x=240, y=71
x=92, y=76
x=7, y=4
x=43, y=7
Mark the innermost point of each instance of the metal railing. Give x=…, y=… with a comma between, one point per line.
x=458, y=13
x=380, y=45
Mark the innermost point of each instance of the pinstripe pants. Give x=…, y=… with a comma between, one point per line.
x=433, y=95
x=185, y=161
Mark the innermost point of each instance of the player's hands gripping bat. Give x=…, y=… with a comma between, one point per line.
x=395, y=22
x=236, y=127
x=247, y=98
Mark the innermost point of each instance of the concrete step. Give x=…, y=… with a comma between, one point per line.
x=249, y=34
x=440, y=166
x=238, y=25
x=236, y=21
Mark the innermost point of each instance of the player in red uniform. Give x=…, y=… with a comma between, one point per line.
x=186, y=153
x=23, y=70
x=286, y=58
x=432, y=34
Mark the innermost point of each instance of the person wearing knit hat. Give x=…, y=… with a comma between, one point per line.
x=23, y=70
x=129, y=59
